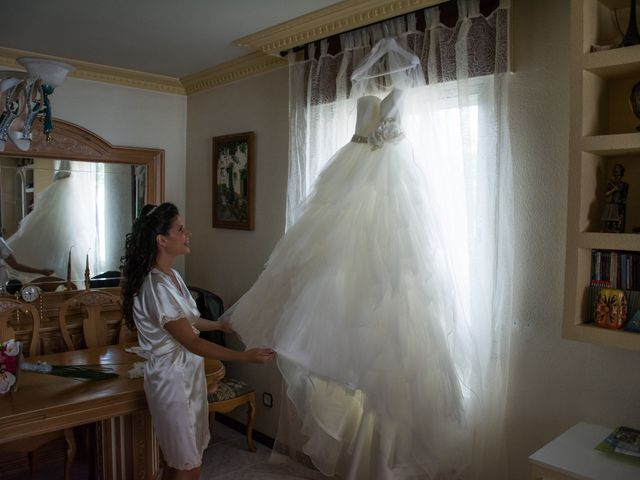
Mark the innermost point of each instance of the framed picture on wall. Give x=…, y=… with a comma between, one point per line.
x=233, y=181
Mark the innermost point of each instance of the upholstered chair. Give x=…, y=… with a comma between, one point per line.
x=228, y=393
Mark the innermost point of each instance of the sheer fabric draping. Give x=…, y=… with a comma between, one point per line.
x=457, y=124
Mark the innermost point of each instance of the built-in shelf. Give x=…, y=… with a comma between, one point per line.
x=609, y=241
x=600, y=82
x=614, y=63
x=591, y=333
x=612, y=145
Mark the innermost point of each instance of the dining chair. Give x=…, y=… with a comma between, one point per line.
x=94, y=306
x=31, y=445
x=96, y=331
x=51, y=283
x=227, y=393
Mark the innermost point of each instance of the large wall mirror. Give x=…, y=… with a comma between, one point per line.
x=74, y=198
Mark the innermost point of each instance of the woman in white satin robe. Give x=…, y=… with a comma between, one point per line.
x=157, y=303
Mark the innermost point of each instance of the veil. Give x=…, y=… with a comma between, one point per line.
x=388, y=65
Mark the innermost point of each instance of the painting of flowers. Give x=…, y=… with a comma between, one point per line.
x=233, y=181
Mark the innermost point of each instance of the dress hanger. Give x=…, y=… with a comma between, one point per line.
x=385, y=58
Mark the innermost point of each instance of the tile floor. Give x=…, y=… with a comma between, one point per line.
x=227, y=458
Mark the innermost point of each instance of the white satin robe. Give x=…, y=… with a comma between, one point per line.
x=174, y=379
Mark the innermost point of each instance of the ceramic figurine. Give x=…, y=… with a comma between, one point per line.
x=614, y=213
x=611, y=308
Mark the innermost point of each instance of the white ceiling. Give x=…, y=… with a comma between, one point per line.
x=167, y=37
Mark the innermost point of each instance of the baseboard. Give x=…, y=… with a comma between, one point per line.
x=240, y=427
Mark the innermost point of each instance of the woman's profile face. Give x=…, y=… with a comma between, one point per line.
x=176, y=241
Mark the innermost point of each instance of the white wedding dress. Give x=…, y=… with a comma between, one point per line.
x=355, y=300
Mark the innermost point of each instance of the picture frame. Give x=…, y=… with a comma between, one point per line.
x=233, y=181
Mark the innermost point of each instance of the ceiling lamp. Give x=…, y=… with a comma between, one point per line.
x=25, y=96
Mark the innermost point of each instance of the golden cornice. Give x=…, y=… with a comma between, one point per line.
x=101, y=73
x=331, y=20
x=245, y=66
x=334, y=19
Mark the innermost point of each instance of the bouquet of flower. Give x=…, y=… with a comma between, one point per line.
x=81, y=372
x=10, y=360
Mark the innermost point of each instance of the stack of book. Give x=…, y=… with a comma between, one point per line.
x=616, y=269
x=623, y=441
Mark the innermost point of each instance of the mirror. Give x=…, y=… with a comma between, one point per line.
x=70, y=202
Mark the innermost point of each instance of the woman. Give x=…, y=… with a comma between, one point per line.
x=157, y=303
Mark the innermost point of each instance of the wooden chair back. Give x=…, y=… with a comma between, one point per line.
x=51, y=284
x=94, y=326
x=7, y=332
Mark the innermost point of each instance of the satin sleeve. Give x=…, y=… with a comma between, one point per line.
x=168, y=305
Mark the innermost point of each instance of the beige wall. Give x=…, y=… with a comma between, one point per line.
x=225, y=261
x=554, y=382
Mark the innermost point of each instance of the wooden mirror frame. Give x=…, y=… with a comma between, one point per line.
x=71, y=142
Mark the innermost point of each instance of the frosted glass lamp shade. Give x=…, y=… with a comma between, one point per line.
x=49, y=71
x=9, y=79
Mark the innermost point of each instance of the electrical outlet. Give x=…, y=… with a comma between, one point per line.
x=267, y=399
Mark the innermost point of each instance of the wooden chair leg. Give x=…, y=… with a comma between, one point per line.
x=251, y=418
x=32, y=461
x=71, y=452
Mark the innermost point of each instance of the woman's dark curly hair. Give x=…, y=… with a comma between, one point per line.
x=140, y=252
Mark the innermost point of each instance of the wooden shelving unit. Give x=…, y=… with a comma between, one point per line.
x=603, y=132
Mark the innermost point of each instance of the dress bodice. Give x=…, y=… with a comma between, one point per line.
x=391, y=106
x=368, y=114
x=389, y=128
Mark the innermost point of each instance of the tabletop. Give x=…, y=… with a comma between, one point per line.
x=573, y=454
x=45, y=403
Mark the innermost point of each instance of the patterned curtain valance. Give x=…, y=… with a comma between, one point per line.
x=484, y=38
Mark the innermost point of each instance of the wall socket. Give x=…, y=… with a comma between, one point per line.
x=267, y=399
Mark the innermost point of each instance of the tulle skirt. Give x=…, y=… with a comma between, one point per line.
x=64, y=216
x=355, y=302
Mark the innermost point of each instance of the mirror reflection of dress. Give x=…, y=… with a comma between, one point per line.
x=356, y=301
x=64, y=216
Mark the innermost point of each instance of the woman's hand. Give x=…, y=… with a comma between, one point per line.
x=260, y=355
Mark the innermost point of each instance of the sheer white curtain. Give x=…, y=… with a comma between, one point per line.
x=459, y=131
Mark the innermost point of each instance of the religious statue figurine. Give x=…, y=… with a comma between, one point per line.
x=613, y=216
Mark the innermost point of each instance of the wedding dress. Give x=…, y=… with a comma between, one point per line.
x=355, y=300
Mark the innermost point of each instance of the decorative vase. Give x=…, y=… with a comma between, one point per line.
x=632, y=37
x=611, y=308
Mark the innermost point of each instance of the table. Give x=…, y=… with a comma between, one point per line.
x=572, y=455
x=127, y=448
